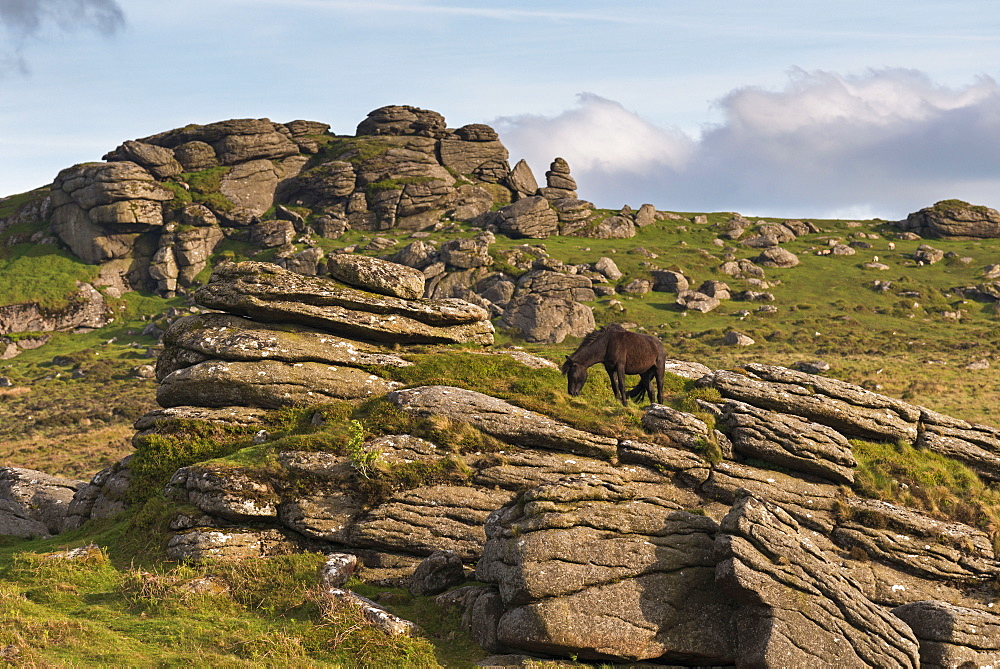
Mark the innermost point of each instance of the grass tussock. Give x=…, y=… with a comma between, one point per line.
x=917, y=478
x=265, y=612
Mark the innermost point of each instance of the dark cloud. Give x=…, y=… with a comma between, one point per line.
x=25, y=20
x=879, y=144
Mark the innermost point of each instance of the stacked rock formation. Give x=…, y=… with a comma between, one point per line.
x=730, y=536
x=156, y=210
x=287, y=339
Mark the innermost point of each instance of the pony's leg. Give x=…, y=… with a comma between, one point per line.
x=612, y=376
x=620, y=374
x=659, y=384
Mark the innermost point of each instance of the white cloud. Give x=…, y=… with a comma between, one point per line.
x=599, y=135
x=886, y=141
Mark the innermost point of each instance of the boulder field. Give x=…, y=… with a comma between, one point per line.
x=728, y=536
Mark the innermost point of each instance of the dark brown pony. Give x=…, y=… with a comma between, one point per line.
x=622, y=352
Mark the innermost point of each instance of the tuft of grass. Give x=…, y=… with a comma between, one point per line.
x=933, y=483
x=262, y=612
x=43, y=274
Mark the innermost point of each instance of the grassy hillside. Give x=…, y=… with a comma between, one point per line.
x=125, y=602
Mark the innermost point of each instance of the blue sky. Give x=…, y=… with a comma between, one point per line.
x=770, y=108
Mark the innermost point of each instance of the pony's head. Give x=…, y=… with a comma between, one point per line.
x=576, y=376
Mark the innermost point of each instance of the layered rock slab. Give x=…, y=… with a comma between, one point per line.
x=266, y=292
x=789, y=441
x=846, y=408
x=269, y=384
x=596, y=570
x=194, y=339
x=952, y=636
x=502, y=420
x=796, y=606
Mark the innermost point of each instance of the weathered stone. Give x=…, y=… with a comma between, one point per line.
x=502, y=420
x=251, y=187
x=269, y=234
x=646, y=215
x=573, y=214
x=428, y=519
x=466, y=253
x=34, y=504
x=521, y=179
x=160, y=162
x=742, y=269
x=497, y=288
x=201, y=543
x=438, y=572
x=267, y=384
x=952, y=636
x=796, y=607
x=612, y=227
x=166, y=419
x=377, y=275
x=481, y=609
x=809, y=500
x=694, y=301
x=268, y=293
x=103, y=497
x=402, y=120
x=927, y=254
x=227, y=337
x=310, y=261
x=325, y=512
x=681, y=429
x=666, y=281
x=231, y=493
x=195, y=156
x=385, y=622
x=636, y=287
x=777, y=257
x=846, y=408
x=716, y=289
x=530, y=217
x=917, y=544
x=86, y=309
x=418, y=254
x=240, y=148
x=736, y=338
x=789, y=441
x=608, y=268
x=338, y=568
x=954, y=218
x=547, y=319
x=597, y=571
x=556, y=284
x=478, y=157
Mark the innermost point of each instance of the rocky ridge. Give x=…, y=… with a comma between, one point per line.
x=585, y=545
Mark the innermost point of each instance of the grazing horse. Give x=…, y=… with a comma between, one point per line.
x=622, y=352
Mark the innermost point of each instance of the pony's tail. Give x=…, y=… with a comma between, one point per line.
x=637, y=392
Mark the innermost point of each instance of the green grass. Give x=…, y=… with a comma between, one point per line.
x=920, y=479
x=9, y=205
x=43, y=274
x=264, y=612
